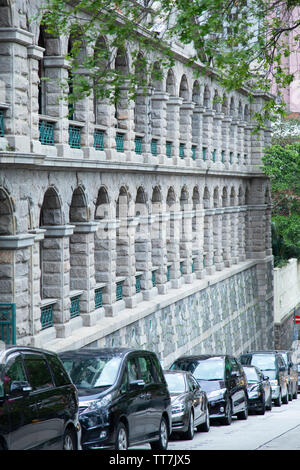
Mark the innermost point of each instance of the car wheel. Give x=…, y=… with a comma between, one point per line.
x=189, y=434
x=269, y=406
x=69, y=440
x=206, y=425
x=278, y=401
x=227, y=420
x=162, y=442
x=243, y=414
x=285, y=399
x=121, y=437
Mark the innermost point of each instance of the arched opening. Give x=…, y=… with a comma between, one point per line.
x=7, y=225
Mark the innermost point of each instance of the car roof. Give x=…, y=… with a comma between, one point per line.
x=10, y=349
x=176, y=371
x=96, y=352
x=196, y=357
x=250, y=353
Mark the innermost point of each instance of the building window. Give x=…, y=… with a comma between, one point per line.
x=223, y=156
x=119, y=142
x=204, y=153
x=181, y=150
x=119, y=291
x=138, y=145
x=99, y=139
x=46, y=130
x=74, y=137
x=169, y=149
x=46, y=316
x=74, y=308
x=194, y=148
x=1, y=123
x=98, y=298
x=154, y=147
x=138, y=283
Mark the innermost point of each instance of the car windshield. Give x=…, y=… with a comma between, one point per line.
x=208, y=369
x=93, y=372
x=263, y=362
x=176, y=383
x=251, y=374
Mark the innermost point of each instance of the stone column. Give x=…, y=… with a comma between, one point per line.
x=35, y=54
x=226, y=234
x=241, y=141
x=208, y=118
x=241, y=233
x=218, y=250
x=56, y=70
x=143, y=120
x=186, y=243
x=125, y=122
x=198, y=242
x=159, y=122
x=226, y=125
x=233, y=139
x=185, y=117
x=16, y=284
x=56, y=276
x=247, y=143
x=173, y=129
x=217, y=137
x=159, y=250
x=197, y=122
x=209, y=241
x=173, y=248
x=234, y=236
x=105, y=265
x=14, y=74
x=143, y=256
x=82, y=273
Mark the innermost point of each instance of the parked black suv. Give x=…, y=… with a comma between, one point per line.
x=123, y=397
x=224, y=381
x=38, y=401
x=271, y=363
x=292, y=373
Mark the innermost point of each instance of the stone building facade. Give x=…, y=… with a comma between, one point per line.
x=145, y=224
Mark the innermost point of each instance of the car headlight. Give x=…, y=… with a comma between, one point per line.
x=96, y=412
x=216, y=394
x=254, y=392
x=178, y=407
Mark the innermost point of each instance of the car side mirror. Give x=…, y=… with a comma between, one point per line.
x=18, y=387
x=266, y=377
x=136, y=384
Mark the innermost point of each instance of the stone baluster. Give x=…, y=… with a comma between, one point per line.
x=241, y=233
x=226, y=240
x=159, y=250
x=218, y=250
x=208, y=241
x=173, y=248
x=226, y=126
x=208, y=117
x=186, y=243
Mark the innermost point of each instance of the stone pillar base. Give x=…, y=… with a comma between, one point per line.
x=114, y=309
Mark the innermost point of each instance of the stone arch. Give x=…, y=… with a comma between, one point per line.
x=184, y=88
x=7, y=220
x=51, y=210
x=225, y=197
x=240, y=196
x=232, y=196
x=101, y=58
x=141, y=202
x=240, y=110
x=216, y=198
x=157, y=200
x=246, y=113
x=224, y=107
x=216, y=101
x=122, y=204
x=79, y=210
x=232, y=107
x=6, y=13
x=156, y=77
x=171, y=197
x=171, y=83
x=102, y=210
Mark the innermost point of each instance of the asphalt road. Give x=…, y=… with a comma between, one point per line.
x=278, y=429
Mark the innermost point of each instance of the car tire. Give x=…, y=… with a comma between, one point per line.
x=121, y=442
x=205, y=427
x=189, y=434
x=162, y=442
x=227, y=420
x=285, y=399
x=69, y=441
x=270, y=404
x=278, y=401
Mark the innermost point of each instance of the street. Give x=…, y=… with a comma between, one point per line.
x=278, y=429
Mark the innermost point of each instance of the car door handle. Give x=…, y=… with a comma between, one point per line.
x=145, y=396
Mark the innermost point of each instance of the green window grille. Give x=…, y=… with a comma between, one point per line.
x=154, y=147
x=46, y=130
x=1, y=123
x=168, y=273
x=193, y=266
x=169, y=149
x=8, y=323
x=119, y=142
x=214, y=156
x=46, y=316
x=138, y=284
x=74, y=137
x=99, y=139
x=153, y=278
x=230, y=157
x=223, y=156
x=74, y=308
x=204, y=262
x=204, y=153
x=98, y=298
x=119, y=291
x=181, y=268
x=181, y=150
x=194, y=148
x=138, y=145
